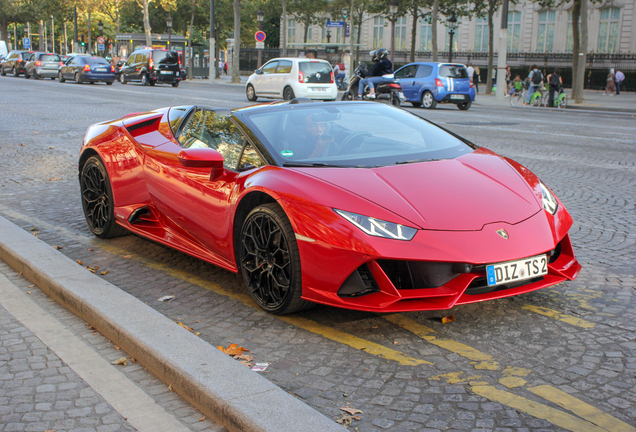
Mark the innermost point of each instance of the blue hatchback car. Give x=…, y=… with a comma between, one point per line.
x=427, y=84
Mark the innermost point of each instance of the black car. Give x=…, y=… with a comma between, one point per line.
x=151, y=66
x=87, y=69
x=14, y=62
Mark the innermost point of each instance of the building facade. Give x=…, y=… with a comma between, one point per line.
x=531, y=29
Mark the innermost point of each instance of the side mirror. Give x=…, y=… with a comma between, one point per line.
x=202, y=158
x=258, y=72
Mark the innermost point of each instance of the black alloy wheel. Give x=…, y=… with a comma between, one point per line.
x=270, y=262
x=97, y=200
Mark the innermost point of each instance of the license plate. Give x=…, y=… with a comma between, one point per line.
x=166, y=72
x=513, y=271
x=318, y=89
x=457, y=96
x=100, y=70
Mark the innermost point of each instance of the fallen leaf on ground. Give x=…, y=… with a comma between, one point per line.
x=21, y=144
x=186, y=327
x=133, y=360
x=233, y=349
x=202, y=418
x=28, y=292
x=448, y=319
x=351, y=411
x=104, y=272
x=34, y=229
x=79, y=262
x=57, y=247
x=89, y=249
x=116, y=347
x=30, y=286
x=55, y=179
x=347, y=419
x=246, y=363
x=170, y=387
x=127, y=256
x=120, y=361
x=245, y=357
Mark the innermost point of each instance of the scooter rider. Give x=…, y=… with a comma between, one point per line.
x=382, y=66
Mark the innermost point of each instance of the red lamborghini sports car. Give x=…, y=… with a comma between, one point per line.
x=355, y=204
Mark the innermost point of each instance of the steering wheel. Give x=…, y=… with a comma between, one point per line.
x=348, y=144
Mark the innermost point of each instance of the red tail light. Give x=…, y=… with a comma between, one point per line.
x=301, y=77
x=19, y=57
x=397, y=86
x=471, y=84
x=61, y=63
x=331, y=77
x=438, y=82
x=112, y=68
x=151, y=65
x=38, y=63
x=87, y=68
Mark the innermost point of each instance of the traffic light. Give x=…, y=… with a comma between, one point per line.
x=82, y=40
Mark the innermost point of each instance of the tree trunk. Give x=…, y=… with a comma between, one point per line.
x=190, y=51
x=90, y=47
x=147, y=23
x=236, y=77
x=491, y=50
x=305, y=32
x=415, y=13
x=4, y=29
x=285, y=28
x=117, y=21
x=434, y=28
x=580, y=78
x=41, y=35
x=576, y=14
x=359, y=34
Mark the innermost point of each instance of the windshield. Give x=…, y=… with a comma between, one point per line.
x=50, y=58
x=453, y=71
x=165, y=57
x=315, y=71
x=97, y=61
x=353, y=134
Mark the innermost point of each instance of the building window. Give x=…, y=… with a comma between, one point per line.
x=426, y=37
x=569, y=38
x=378, y=32
x=608, y=30
x=309, y=34
x=514, y=30
x=400, y=34
x=291, y=31
x=339, y=33
x=545, y=35
x=481, y=34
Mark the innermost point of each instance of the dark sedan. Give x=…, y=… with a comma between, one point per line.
x=87, y=69
x=14, y=63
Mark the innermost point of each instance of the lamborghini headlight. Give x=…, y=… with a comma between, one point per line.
x=378, y=228
x=550, y=203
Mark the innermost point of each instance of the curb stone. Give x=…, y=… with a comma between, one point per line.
x=220, y=387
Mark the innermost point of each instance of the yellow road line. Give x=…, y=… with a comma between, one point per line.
x=560, y=316
x=458, y=348
x=582, y=409
x=535, y=409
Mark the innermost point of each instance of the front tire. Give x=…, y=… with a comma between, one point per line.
x=122, y=79
x=347, y=96
x=14, y=72
x=288, y=93
x=77, y=78
x=144, y=79
x=97, y=200
x=250, y=93
x=270, y=262
x=428, y=100
x=60, y=77
x=464, y=106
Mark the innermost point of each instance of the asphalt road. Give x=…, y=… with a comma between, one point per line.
x=562, y=358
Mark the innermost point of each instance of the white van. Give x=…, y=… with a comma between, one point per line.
x=3, y=48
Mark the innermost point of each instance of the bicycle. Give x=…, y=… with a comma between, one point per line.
x=561, y=101
x=518, y=97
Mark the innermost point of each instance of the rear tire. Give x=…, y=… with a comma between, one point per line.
x=250, y=93
x=428, y=100
x=152, y=83
x=26, y=74
x=109, y=83
x=144, y=79
x=288, y=93
x=2, y=72
x=97, y=200
x=175, y=84
x=347, y=96
x=395, y=100
x=416, y=104
x=77, y=78
x=14, y=72
x=464, y=106
x=270, y=261
x=35, y=75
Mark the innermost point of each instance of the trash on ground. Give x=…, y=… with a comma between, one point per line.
x=260, y=367
x=167, y=298
x=120, y=361
x=448, y=319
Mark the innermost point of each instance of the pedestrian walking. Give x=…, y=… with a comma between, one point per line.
x=610, y=88
x=556, y=84
x=476, y=78
x=618, y=79
x=471, y=71
x=508, y=78
x=221, y=64
x=225, y=68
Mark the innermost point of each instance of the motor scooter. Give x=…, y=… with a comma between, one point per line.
x=389, y=92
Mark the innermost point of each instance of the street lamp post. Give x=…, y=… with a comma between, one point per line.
x=393, y=8
x=169, y=26
x=100, y=27
x=328, y=36
x=52, y=34
x=452, y=25
x=260, y=15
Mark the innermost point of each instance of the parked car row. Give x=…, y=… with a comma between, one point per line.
x=147, y=66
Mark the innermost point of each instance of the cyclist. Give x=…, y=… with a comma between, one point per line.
x=536, y=78
x=556, y=84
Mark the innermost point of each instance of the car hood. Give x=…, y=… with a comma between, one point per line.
x=461, y=194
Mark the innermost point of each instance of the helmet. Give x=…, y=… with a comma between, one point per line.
x=381, y=53
x=373, y=56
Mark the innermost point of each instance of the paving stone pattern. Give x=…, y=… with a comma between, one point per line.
x=588, y=160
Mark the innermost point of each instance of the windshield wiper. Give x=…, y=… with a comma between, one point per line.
x=315, y=164
x=416, y=161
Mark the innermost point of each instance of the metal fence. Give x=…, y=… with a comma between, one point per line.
x=597, y=65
